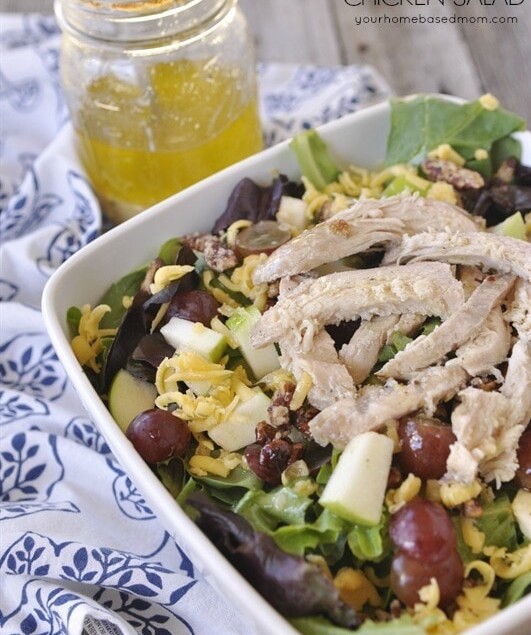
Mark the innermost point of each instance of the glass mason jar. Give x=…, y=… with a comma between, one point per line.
x=161, y=93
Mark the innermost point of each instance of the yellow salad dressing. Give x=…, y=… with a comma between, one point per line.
x=140, y=145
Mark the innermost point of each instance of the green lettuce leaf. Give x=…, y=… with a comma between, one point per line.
x=232, y=488
x=327, y=533
x=265, y=510
x=519, y=587
x=370, y=543
x=73, y=316
x=314, y=159
x=422, y=123
x=498, y=524
x=126, y=286
x=289, y=583
x=399, y=341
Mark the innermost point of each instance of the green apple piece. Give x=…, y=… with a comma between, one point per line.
x=128, y=397
x=513, y=226
x=402, y=183
x=238, y=430
x=186, y=335
x=261, y=361
x=356, y=488
x=292, y=211
x=522, y=512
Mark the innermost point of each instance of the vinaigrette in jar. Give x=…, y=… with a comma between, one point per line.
x=153, y=116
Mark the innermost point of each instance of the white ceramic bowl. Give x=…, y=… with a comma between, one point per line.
x=360, y=139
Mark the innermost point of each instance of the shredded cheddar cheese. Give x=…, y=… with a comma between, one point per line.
x=489, y=102
x=473, y=537
x=510, y=565
x=474, y=603
x=233, y=230
x=304, y=385
x=481, y=154
x=442, y=192
x=356, y=589
x=242, y=280
x=454, y=494
x=447, y=153
x=397, y=498
x=87, y=345
x=167, y=274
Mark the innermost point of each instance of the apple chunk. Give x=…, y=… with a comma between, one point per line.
x=356, y=488
x=128, y=397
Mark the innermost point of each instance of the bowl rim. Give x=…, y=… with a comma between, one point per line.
x=171, y=515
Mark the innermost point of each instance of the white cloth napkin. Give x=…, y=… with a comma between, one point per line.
x=80, y=550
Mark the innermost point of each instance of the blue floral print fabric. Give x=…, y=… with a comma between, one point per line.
x=81, y=551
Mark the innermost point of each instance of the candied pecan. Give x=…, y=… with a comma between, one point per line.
x=196, y=240
x=218, y=256
x=507, y=171
x=278, y=410
x=394, y=479
x=472, y=509
x=460, y=178
x=278, y=415
x=302, y=417
x=154, y=266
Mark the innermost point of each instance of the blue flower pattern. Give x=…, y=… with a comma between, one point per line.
x=100, y=558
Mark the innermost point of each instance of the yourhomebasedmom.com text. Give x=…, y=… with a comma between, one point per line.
x=433, y=19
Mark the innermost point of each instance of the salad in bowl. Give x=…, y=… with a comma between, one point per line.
x=334, y=381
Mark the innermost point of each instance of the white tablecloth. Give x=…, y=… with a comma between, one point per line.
x=80, y=549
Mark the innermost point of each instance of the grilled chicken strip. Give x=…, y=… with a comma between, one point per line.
x=519, y=313
x=330, y=379
x=490, y=347
x=367, y=223
x=428, y=289
x=375, y=405
x=489, y=251
x=456, y=330
x=488, y=425
x=360, y=354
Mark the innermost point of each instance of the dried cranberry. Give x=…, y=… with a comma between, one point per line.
x=269, y=461
x=265, y=432
x=302, y=417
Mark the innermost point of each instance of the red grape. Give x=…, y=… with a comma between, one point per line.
x=425, y=446
x=409, y=575
x=261, y=238
x=523, y=473
x=157, y=435
x=427, y=548
x=422, y=529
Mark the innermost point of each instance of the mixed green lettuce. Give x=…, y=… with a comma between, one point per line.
x=423, y=123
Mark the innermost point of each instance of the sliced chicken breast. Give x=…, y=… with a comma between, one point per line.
x=330, y=379
x=427, y=289
x=367, y=223
x=375, y=405
x=489, y=251
x=457, y=329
